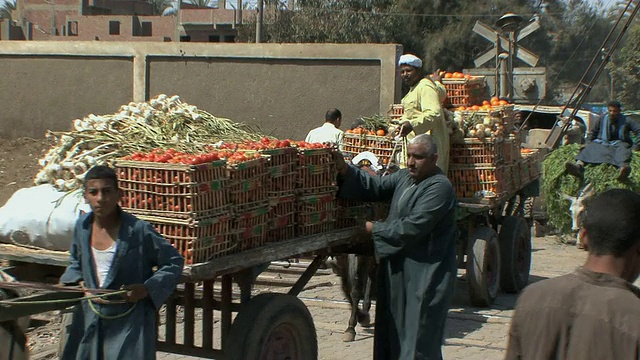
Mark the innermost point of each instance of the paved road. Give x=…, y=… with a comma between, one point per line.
x=471, y=333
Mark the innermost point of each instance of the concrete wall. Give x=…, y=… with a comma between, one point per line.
x=285, y=89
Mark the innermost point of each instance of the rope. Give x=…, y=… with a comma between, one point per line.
x=88, y=298
x=110, y=317
x=62, y=301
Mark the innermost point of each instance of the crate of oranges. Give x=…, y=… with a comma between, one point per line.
x=463, y=89
x=360, y=139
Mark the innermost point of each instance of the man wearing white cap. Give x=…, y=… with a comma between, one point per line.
x=423, y=111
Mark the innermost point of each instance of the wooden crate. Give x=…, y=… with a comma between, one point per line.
x=282, y=212
x=248, y=184
x=251, y=227
x=381, y=146
x=198, y=241
x=465, y=92
x=281, y=234
x=282, y=185
x=316, y=179
x=473, y=151
x=481, y=181
x=396, y=112
x=314, y=209
x=174, y=190
x=312, y=229
x=315, y=156
x=282, y=156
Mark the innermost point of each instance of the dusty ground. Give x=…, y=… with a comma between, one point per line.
x=19, y=164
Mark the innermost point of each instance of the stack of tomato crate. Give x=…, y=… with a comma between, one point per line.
x=187, y=203
x=316, y=190
x=234, y=197
x=485, y=168
x=464, y=90
x=282, y=169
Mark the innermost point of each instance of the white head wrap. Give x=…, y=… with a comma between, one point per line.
x=411, y=60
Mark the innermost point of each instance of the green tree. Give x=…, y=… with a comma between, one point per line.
x=440, y=31
x=626, y=70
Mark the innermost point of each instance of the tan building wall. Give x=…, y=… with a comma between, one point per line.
x=285, y=89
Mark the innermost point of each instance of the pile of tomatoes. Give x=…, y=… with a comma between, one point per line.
x=172, y=156
x=363, y=131
x=233, y=153
x=264, y=144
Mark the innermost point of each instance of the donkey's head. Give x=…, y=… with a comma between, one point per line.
x=577, y=206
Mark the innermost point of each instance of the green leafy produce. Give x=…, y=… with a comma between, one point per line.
x=556, y=181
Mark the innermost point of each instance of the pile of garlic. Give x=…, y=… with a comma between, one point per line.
x=96, y=139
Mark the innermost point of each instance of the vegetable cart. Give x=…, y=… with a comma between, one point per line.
x=494, y=180
x=270, y=325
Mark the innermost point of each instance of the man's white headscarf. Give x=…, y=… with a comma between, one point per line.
x=411, y=60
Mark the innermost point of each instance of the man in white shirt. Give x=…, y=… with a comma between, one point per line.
x=329, y=131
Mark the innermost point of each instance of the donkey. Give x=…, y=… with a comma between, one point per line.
x=576, y=209
x=13, y=341
x=357, y=276
x=358, y=272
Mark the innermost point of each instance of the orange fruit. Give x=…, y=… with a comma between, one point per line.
x=495, y=103
x=503, y=102
x=448, y=75
x=485, y=102
x=381, y=132
x=475, y=107
x=495, y=98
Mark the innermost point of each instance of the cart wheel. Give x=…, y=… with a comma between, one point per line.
x=273, y=326
x=483, y=266
x=515, y=252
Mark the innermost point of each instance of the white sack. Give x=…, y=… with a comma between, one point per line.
x=41, y=216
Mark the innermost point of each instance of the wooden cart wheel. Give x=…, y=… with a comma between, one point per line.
x=515, y=253
x=483, y=266
x=273, y=327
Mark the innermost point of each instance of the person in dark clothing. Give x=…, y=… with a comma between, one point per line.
x=415, y=247
x=609, y=142
x=594, y=312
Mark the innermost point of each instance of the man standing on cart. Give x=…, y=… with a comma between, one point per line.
x=423, y=113
x=415, y=247
x=114, y=250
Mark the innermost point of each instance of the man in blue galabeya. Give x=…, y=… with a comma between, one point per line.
x=114, y=250
x=609, y=142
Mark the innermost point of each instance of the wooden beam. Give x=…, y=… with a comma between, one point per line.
x=189, y=314
x=207, y=314
x=270, y=252
x=306, y=276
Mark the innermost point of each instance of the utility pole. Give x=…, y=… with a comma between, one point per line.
x=259, y=21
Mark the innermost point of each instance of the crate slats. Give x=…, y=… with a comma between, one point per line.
x=174, y=190
x=198, y=241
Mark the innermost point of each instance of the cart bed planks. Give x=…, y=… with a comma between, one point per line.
x=227, y=264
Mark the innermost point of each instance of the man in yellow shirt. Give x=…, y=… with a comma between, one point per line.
x=423, y=113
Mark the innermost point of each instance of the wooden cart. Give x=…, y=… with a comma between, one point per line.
x=267, y=324
x=495, y=244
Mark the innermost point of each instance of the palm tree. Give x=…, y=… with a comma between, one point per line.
x=6, y=9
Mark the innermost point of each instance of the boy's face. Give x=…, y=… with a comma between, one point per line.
x=102, y=195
